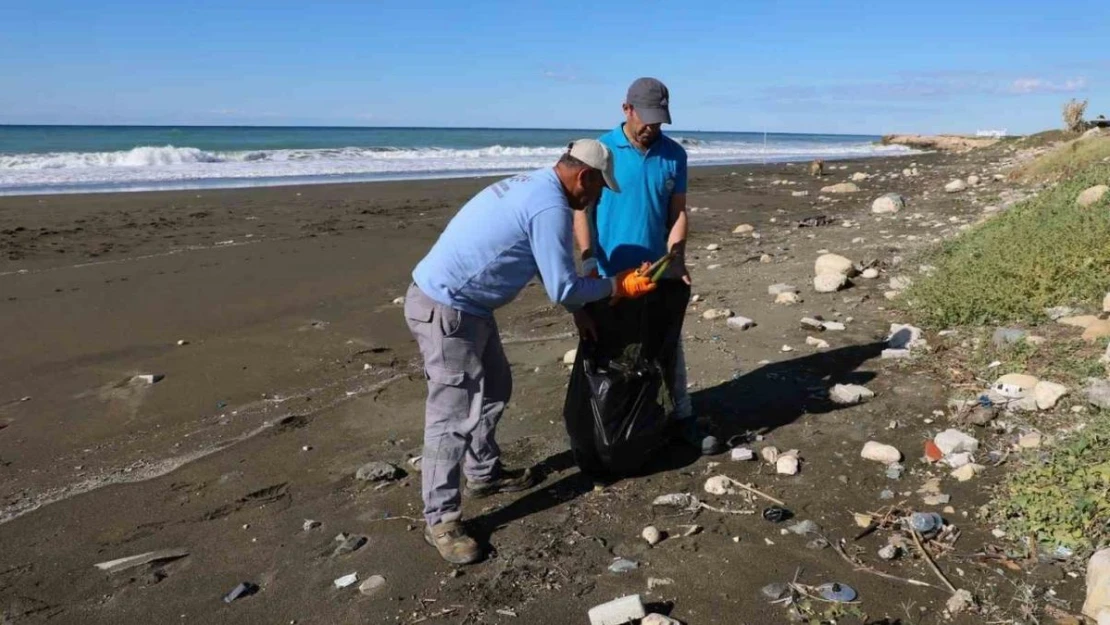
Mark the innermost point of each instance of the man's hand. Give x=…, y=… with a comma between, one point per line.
x=633, y=283
x=682, y=271
x=587, y=329
x=589, y=268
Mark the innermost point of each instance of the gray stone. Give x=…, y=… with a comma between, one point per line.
x=349, y=545
x=1007, y=336
x=889, y=203
x=740, y=323
x=1097, y=604
x=849, y=394
x=618, y=611
x=955, y=186
x=776, y=289
x=954, y=441
x=960, y=602
x=829, y=282
x=1092, y=195
x=623, y=565
x=372, y=585
x=889, y=552
x=378, y=471
x=843, y=187
x=1098, y=392
x=775, y=591
x=904, y=336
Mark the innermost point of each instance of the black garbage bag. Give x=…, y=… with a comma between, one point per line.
x=619, y=407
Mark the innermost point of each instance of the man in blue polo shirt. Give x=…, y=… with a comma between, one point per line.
x=647, y=219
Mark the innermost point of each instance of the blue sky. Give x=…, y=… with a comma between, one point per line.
x=853, y=67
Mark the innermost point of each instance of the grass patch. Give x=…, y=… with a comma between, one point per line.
x=1047, y=137
x=1062, y=497
x=1065, y=161
x=1043, y=252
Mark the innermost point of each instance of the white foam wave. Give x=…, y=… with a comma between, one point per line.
x=181, y=167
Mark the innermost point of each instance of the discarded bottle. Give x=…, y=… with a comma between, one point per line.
x=839, y=593
x=623, y=565
x=777, y=514
x=926, y=522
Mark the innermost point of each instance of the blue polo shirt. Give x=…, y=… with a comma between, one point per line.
x=630, y=227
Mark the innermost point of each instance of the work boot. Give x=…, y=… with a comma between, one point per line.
x=506, y=481
x=452, y=542
x=693, y=435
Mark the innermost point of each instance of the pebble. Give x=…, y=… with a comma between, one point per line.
x=378, y=471
x=870, y=273
x=743, y=229
x=310, y=524
x=1032, y=440
x=372, y=585
x=570, y=356
x=775, y=591
x=658, y=619
x=741, y=454
x=849, y=394
x=787, y=465
x=967, y=472
x=880, y=452
x=652, y=535
x=1098, y=392
x=350, y=545
x=889, y=552
x=716, y=313
x=1047, y=394
x=398, y=300
x=834, y=326
x=816, y=342
x=936, y=500
x=740, y=323
x=787, y=348
x=777, y=289
x=954, y=441
x=346, y=580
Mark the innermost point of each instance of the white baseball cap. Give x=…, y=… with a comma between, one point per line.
x=595, y=154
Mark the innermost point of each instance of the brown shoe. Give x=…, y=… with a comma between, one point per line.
x=452, y=542
x=507, y=481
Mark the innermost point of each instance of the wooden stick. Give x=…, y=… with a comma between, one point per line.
x=762, y=494
x=929, y=559
x=866, y=569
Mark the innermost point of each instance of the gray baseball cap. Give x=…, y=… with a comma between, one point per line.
x=651, y=100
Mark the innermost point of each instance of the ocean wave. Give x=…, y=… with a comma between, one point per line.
x=163, y=166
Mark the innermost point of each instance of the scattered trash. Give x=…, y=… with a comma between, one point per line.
x=932, y=452
x=623, y=565
x=346, y=580
x=777, y=514
x=652, y=535
x=618, y=611
x=954, y=441
x=122, y=564
x=802, y=528
x=886, y=494
x=677, y=500
x=837, y=593
x=149, y=378
x=310, y=524
x=895, y=471
x=244, y=589
x=926, y=523
x=740, y=454
x=372, y=585
x=655, y=582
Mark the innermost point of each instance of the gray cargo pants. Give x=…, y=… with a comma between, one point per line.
x=469, y=384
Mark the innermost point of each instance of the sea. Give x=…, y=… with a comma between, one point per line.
x=85, y=159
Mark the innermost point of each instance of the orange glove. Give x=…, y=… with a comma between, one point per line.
x=633, y=283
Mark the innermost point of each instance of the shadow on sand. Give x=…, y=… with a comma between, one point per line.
x=769, y=397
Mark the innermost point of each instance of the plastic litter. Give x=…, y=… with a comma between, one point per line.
x=926, y=522
x=777, y=514
x=242, y=590
x=623, y=565
x=839, y=593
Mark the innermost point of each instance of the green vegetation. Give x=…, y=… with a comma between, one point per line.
x=1067, y=360
x=1066, y=161
x=1043, y=252
x=1062, y=499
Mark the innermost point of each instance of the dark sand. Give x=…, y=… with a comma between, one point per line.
x=298, y=369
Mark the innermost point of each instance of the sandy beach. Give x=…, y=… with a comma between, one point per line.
x=287, y=366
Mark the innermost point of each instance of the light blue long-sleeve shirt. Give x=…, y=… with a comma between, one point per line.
x=500, y=240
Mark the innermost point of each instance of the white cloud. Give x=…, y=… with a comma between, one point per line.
x=1040, y=85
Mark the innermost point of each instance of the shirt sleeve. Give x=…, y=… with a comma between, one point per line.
x=680, y=173
x=550, y=233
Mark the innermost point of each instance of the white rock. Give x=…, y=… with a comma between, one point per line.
x=816, y=342
x=787, y=298
x=371, y=585
x=908, y=172
x=958, y=460
x=870, y=273
x=740, y=323
x=967, y=472
x=712, y=247
x=1092, y=195
x=834, y=263
x=960, y=602
x=889, y=552
x=1032, y=440
x=859, y=176
x=743, y=229
x=399, y=300
x=972, y=180
x=829, y=282
x=618, y=611
x=770, y=454
x=787, y=465
x=787, y=348
x=799, y=193
x=894, y=354
x=1105, y=305
x=778, y=289
x=659, y=619
x=955, y=186
x=1048, y=393
x=954, y=441
x=568, y=358
x=652, y=535
x=719, y=485
x=843, y=187
x=1098, y=586
x=848, y=394
x=879, y=452
x=1014, y=385
x=716, y=313
x=834, y=326
x=889, y=203
x=812, y=324
x=741, y=454
x=903, y=336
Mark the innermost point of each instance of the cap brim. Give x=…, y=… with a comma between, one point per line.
x=610, y=179
x=654, y=115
